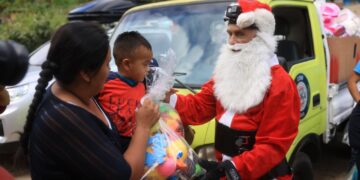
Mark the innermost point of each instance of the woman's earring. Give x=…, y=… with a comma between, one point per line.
x=85, y=76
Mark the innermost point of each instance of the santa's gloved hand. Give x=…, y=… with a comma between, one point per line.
x=217, y=170
x=208, y=165
x=230, y=170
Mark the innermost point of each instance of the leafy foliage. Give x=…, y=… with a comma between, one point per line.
x=31, y=22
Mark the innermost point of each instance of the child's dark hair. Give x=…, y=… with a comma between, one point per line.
x=74, y=47
x=126, y=44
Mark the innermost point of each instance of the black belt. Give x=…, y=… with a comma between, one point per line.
x=233, y=142
x=281, y=169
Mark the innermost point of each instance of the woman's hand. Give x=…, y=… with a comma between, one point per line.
x=147, y=115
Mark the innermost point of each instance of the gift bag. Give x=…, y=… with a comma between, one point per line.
x=168, y=156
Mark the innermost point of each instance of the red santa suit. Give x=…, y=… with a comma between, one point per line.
x=254, y=101
x=275, y=121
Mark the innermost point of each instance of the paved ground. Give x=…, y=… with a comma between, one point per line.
x=332, y=165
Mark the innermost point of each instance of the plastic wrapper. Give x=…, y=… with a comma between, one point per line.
x=338, y=22
x=350, y=21
x=168, y=156
x=160, y=79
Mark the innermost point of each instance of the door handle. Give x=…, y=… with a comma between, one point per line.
x=316, y=100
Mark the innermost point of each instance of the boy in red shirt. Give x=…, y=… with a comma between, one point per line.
x=124, y=89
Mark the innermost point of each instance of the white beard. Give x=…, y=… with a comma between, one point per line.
x=242, y=78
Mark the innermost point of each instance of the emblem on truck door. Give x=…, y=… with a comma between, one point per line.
x=304, y=93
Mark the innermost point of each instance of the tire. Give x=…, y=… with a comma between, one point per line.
x=302, y=167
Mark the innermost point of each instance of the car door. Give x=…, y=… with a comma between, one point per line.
x=301, y=45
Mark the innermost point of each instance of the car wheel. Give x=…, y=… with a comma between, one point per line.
x=302, y=167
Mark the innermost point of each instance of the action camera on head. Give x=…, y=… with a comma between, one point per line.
x=232, y=12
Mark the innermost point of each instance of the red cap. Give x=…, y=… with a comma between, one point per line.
x=251, y=5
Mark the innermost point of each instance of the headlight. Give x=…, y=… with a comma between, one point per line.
x=16, y=92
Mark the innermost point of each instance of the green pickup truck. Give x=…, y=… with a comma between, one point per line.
x=195, y=30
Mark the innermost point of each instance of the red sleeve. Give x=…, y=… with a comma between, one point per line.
x=276, y=131
x=5, y=175
x=197, y=109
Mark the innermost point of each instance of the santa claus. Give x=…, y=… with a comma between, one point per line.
x=254, y=101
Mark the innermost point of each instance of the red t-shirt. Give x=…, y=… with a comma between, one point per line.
x=120, y=98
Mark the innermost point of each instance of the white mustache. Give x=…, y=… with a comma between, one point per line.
x=237, y=46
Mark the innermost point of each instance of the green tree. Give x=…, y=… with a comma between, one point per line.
x=31, y=22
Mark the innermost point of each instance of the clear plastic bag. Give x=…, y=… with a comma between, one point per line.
x=160, y=78
x=168, y=156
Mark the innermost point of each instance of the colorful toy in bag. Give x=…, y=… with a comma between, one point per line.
x=172, y=119
x=168, y=156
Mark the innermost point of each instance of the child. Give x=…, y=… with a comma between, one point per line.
x=123, y=90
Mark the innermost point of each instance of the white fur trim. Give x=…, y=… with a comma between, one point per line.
x=173, y=100
x=245, y=20
x=273, y=61
x=265, y=21
x=225, y=157
x=226, y=118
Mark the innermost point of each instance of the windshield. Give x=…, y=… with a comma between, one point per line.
x=194, y=32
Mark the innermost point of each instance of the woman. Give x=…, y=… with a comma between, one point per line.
x=67, y=135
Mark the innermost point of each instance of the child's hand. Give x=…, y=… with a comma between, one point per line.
x=4, y=96
x=168, y=94
x=147, y=114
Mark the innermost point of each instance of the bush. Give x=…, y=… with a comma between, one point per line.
x=31, y=22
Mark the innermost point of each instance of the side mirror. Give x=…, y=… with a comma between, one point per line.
x=14, y=62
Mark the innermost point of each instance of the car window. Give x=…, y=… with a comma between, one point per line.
x=194, y=32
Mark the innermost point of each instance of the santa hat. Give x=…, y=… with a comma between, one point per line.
x=257, y=13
